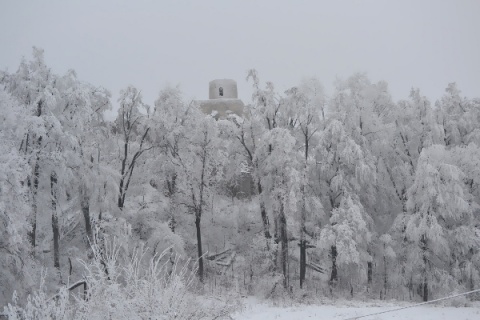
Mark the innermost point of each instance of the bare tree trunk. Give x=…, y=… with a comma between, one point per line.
x=199, y=247
x=333, y=275
x=303, y=262
x=385, y=275
x=265, y=221
x=33, y=233
x=172, y=185
x=276, y=240
x=85, y=204
x=199, y=208
x=424, y=247
x=121, y=190
x=303, y=242
x=303, y=217
x=369, y=269
x=471, y=282
x=284, y=242
x=263, y=213
x=127, y=170
x=55, y=226
x=425, y=289
x=36, y=175
x=369, y=272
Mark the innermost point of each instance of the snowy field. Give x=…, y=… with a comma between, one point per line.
x=258, y=311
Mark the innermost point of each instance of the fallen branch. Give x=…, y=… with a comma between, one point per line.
x=229, y=261
x=74, y=286
x=213, y=257
x=310, y=265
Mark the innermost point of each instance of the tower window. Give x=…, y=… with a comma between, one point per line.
x=220, y=91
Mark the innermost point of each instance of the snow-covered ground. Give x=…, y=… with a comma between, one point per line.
x=255, y=310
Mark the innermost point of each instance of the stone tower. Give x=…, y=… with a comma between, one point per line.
x=223, y=99
x=223, y=89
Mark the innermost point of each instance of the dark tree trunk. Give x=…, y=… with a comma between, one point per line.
x=172, y=185
x=56, y=240
x=199, y=247
x=121, y=191
x=303, y=218
x=424, y=247
x=265, y=221
x=55, y=227
x=303, y=242
x=385, y=276
x=284, y=242
x=276, y=241
x=369, y=272
x=425, y=289
x=333, y=275
x=70, y=266
x=32, y=234
x=85, y=203
x=36, y=175
x=263, y=213
x=471, y=282
x=199, y=209
x=303, y=262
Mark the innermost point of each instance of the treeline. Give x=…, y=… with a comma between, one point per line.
x=349, y=193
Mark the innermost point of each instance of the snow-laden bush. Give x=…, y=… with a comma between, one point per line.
x=121, y=286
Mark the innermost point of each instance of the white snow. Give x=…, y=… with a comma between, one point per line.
x=255, y=310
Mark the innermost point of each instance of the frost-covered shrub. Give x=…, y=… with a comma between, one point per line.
x=39, y=306
x=259, y=263
x=270, y=286
x=124, y=286
x=458, y=302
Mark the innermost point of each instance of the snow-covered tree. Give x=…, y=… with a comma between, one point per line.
x=15, y=210
x=385, y=196
x=453, y=115
x=263, y=116
x=439, y=214
x=133, y=131
x=347, y=173
x=305, y=106
x=198, y=162
x=45, y=144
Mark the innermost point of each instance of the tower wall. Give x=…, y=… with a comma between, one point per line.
x=226, y=86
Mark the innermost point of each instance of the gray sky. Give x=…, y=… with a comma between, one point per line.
x=425, y=44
